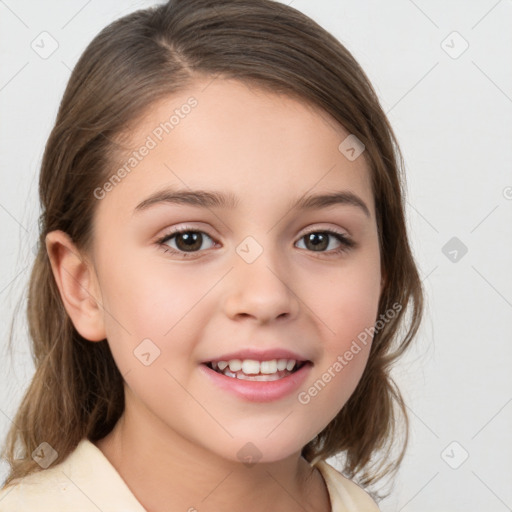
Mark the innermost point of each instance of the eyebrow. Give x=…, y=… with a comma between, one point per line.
x=215, y=199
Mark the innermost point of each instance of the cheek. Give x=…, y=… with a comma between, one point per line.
x=152, y=302
x=350, y=313
x=347, y=306
x=151, y=297
x=346, y=300
x=355, y=307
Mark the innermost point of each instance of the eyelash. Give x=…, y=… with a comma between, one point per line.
x=346, y=242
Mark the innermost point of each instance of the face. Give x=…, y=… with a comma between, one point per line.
x=251, y=269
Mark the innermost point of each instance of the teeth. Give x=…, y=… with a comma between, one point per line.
x=281, y=364
x=250, y=367
x=265, y=378
x=264, y=370
x=290, y=365
x=235, y=365
x=268, y=367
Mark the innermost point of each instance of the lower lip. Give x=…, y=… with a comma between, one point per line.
x=259, y=391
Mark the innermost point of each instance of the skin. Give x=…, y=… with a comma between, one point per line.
x=176, y=444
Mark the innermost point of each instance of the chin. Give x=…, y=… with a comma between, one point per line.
x=254, y=450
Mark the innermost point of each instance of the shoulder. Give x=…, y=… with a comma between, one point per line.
x=40, y=490
x=84, y=482
x=345, y=495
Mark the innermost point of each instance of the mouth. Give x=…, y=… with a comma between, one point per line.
x=254, y=370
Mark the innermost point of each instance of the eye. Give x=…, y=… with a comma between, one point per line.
x=323, y=241
x=185, y=241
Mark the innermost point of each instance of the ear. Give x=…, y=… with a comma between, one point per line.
x=78, y=285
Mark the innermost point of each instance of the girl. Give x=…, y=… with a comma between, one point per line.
x=222, y=275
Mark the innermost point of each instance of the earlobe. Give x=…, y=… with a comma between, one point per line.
x=77, y=283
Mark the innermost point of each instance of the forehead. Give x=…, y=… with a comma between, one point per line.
x=232, y=136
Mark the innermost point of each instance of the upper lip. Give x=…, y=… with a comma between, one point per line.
x=259, y=355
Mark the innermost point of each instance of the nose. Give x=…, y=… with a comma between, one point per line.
x=259, y=291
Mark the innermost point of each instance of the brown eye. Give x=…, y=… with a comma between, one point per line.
x=189, y=241
x=186, y=241
x=326, y=241
x=317, y=241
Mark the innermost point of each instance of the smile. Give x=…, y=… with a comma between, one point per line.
x=251, y=369
x=249, y=381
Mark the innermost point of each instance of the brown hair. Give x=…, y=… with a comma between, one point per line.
x=77, y=390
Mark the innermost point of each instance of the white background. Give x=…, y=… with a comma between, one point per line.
x=453, y=119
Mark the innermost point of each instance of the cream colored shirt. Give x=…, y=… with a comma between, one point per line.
x=86, y=481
